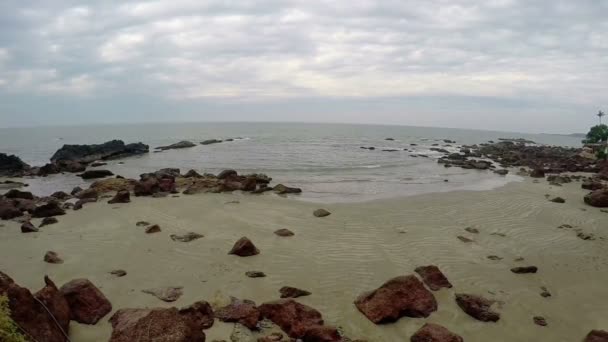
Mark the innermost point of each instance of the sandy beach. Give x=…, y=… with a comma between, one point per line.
x=355, y=249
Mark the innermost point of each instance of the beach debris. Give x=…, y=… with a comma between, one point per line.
x=186, y=237
x=294, y=318
x=464, y=239
x=544, y=292
x=181, y=144
x=122, y=196
x=244, y=312
x=48, y=209
x=87, y=303
x=52, y=258
x=398, y=297
x=524, y=269
x=433, y=278
x=282, y=189
x=166, y=294
x=118, y=273
x=494, y=257
x=255, y=274
x=80, y=203
x=539, y=320
x=596, y=336
x=558, y=200
x=597, y=198
x=284, y=232
x=293, y=292
x=431, y=332
x=28, y=310
x=47, y=221
x=477, y=307
x=321, y=213
x=28, y=227
x=244, y=248
x=153, y=229
x=91, y=174
x=142, y=223
x=472, y=230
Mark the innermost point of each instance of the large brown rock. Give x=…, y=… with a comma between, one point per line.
x=398, y=297
x=8, y=210
x=322, y=333
x=597, y=198
x=477, y=307
x=87, y=304
x=431, y=332
x=244, y=312
x=244, y=247
x=146, y=187
x=31, y=316
x=160, y=324
x=88, y=193
x=293, y=318
x=200, y=313
x=596, y=336
x=14, y=193
x=48, y=209
x=122, y=196
x=433, y=278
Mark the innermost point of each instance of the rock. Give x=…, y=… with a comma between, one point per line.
x=88, y=193
x=431, y=332
x=60, y=195
x=539, y=320
x=282, y=189
x=210, y=141
x=87, y=304
x=159, y=324
x=113, y=185
x=90, y=153
x=524, y=269
x=592, y=185
x=8, y=210
x=597, y=198
x=321, y=213
x=31, y=316
x=14, y=193
x=47, y=221
x=122, y=196
x=153, y=229
x=244, y=248
x=76, y=190
x=433, y=278
x=322, y=333
x=12, y=166
x=464, y=239
x=186, y=237
x=167, y=185
x=52, y=258
x=255, y=274
x=78, y=205
x=146, y=187
x=274, y=337
x=28, y=227
x=119, y=273
x=545, y=293
x=91, y=174
x=472, y=230
x=502, y=172
x=200, y=313
x=181, y=144
x=98, y=164
x=558, y=200
x=477, y=307
x=293, y=318
x=292, y=292
x=284, y=232
x=48, y=209
x=226, y=174
x=142, y=223
x=398, y=297
x=537, y=173
x=244, y=312
x=596, y=336
x=494, y=257
x=389, y=139
x=166, y=294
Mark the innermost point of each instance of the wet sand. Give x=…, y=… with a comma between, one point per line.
x=355, y=249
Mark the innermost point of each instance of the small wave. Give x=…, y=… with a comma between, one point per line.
x=376, y=166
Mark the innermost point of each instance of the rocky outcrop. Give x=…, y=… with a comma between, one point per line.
x=30, y=314
x=293, y=318
x=244, y=312
x=9, y=209
x=244, y=248
x=87, y=303
x=113, y=184
x=12, y=166
x=86, y=154
x=403, y=296
x=433, y=278
x=431, y=332
x=597, y=198
x=178, y=145
x=122, y=196
x=477, y=307
x=92, y=174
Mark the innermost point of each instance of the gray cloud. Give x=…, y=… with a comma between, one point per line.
x=499, y=64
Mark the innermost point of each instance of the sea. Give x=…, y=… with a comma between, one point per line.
x=325, y=160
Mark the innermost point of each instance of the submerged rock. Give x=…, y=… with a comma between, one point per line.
x=398, y=297
x=181, y=144
x=433, y=278
x=477, y=307
x=244, y=248
x=87, y=303
x=431, y=332
x=186, y=237
x=90, y=153
x=292, y=292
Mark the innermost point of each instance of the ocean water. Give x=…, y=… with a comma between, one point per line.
x=325, y=160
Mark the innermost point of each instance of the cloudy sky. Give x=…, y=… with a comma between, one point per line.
x=523, y=65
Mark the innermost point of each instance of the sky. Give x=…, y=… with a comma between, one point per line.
x=513, y=65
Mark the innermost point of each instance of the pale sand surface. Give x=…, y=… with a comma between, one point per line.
x=357, y=248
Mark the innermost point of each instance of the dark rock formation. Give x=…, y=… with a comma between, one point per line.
x=597, y=198
x=558, y=200
x=9, y=210
x=87, y=304
x=244, y=248
x=89, y=153
x=539, y=320
x=255, y=274
x=52, y=258
x=181, y=144
x=48, y=221
x=186, y=237
x=477, y=307
x=28, y=227
x=122, y=196
x=14, y=193
x=244, y=312
x=433, y=278
x=293, y=292
x=398, y=297
x=321, y=213
x=210, y=141
x=524, y=269
x=48, y=209
x=293, y=318
x=596, y=336
x=431, y=332
x=61, y=195
x=153, y=229
x=12, y=166
x=92, y=174
x=282, y=189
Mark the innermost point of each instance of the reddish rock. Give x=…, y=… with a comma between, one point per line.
x=31, y=316
x=200, y=313
x=122, y=196
x=146, y=187
x=52, y=258
x=244, y=247
x=166, y=325
x=8, y=210
x=322, y=333
x=434, y=333
x=48, y=209
x=597, y=198
x=596, y=336
x=167, y=185
x=244, y=312
x=477, y=307
x=284, y=232
x=28, y=227
x=153, y=229
x=433, y=278
x=87, y=304
x=293, y=318
x=292, y=292
x=398, y=297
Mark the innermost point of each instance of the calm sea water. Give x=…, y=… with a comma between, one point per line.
x=323, y=159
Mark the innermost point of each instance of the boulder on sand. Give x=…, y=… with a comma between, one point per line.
x=282, y=189
x=48, y=221
x=398, y=297
x=431, y=332
x=14, y=193
x=52, y=258
x=321, y=213
x=48, y=209
x=433, y=278
x=28, y=227
x=91, y=174
x=597, y=198
x=477, y=307
x=597, y=336
x=293, y=292
x=90, y=153
x=244, y=312
x=9, y=210
x=244, y=248
x=87, y=304
x=122, y=196
x=293, y=318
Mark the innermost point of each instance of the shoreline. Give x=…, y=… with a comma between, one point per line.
x=355, y=249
